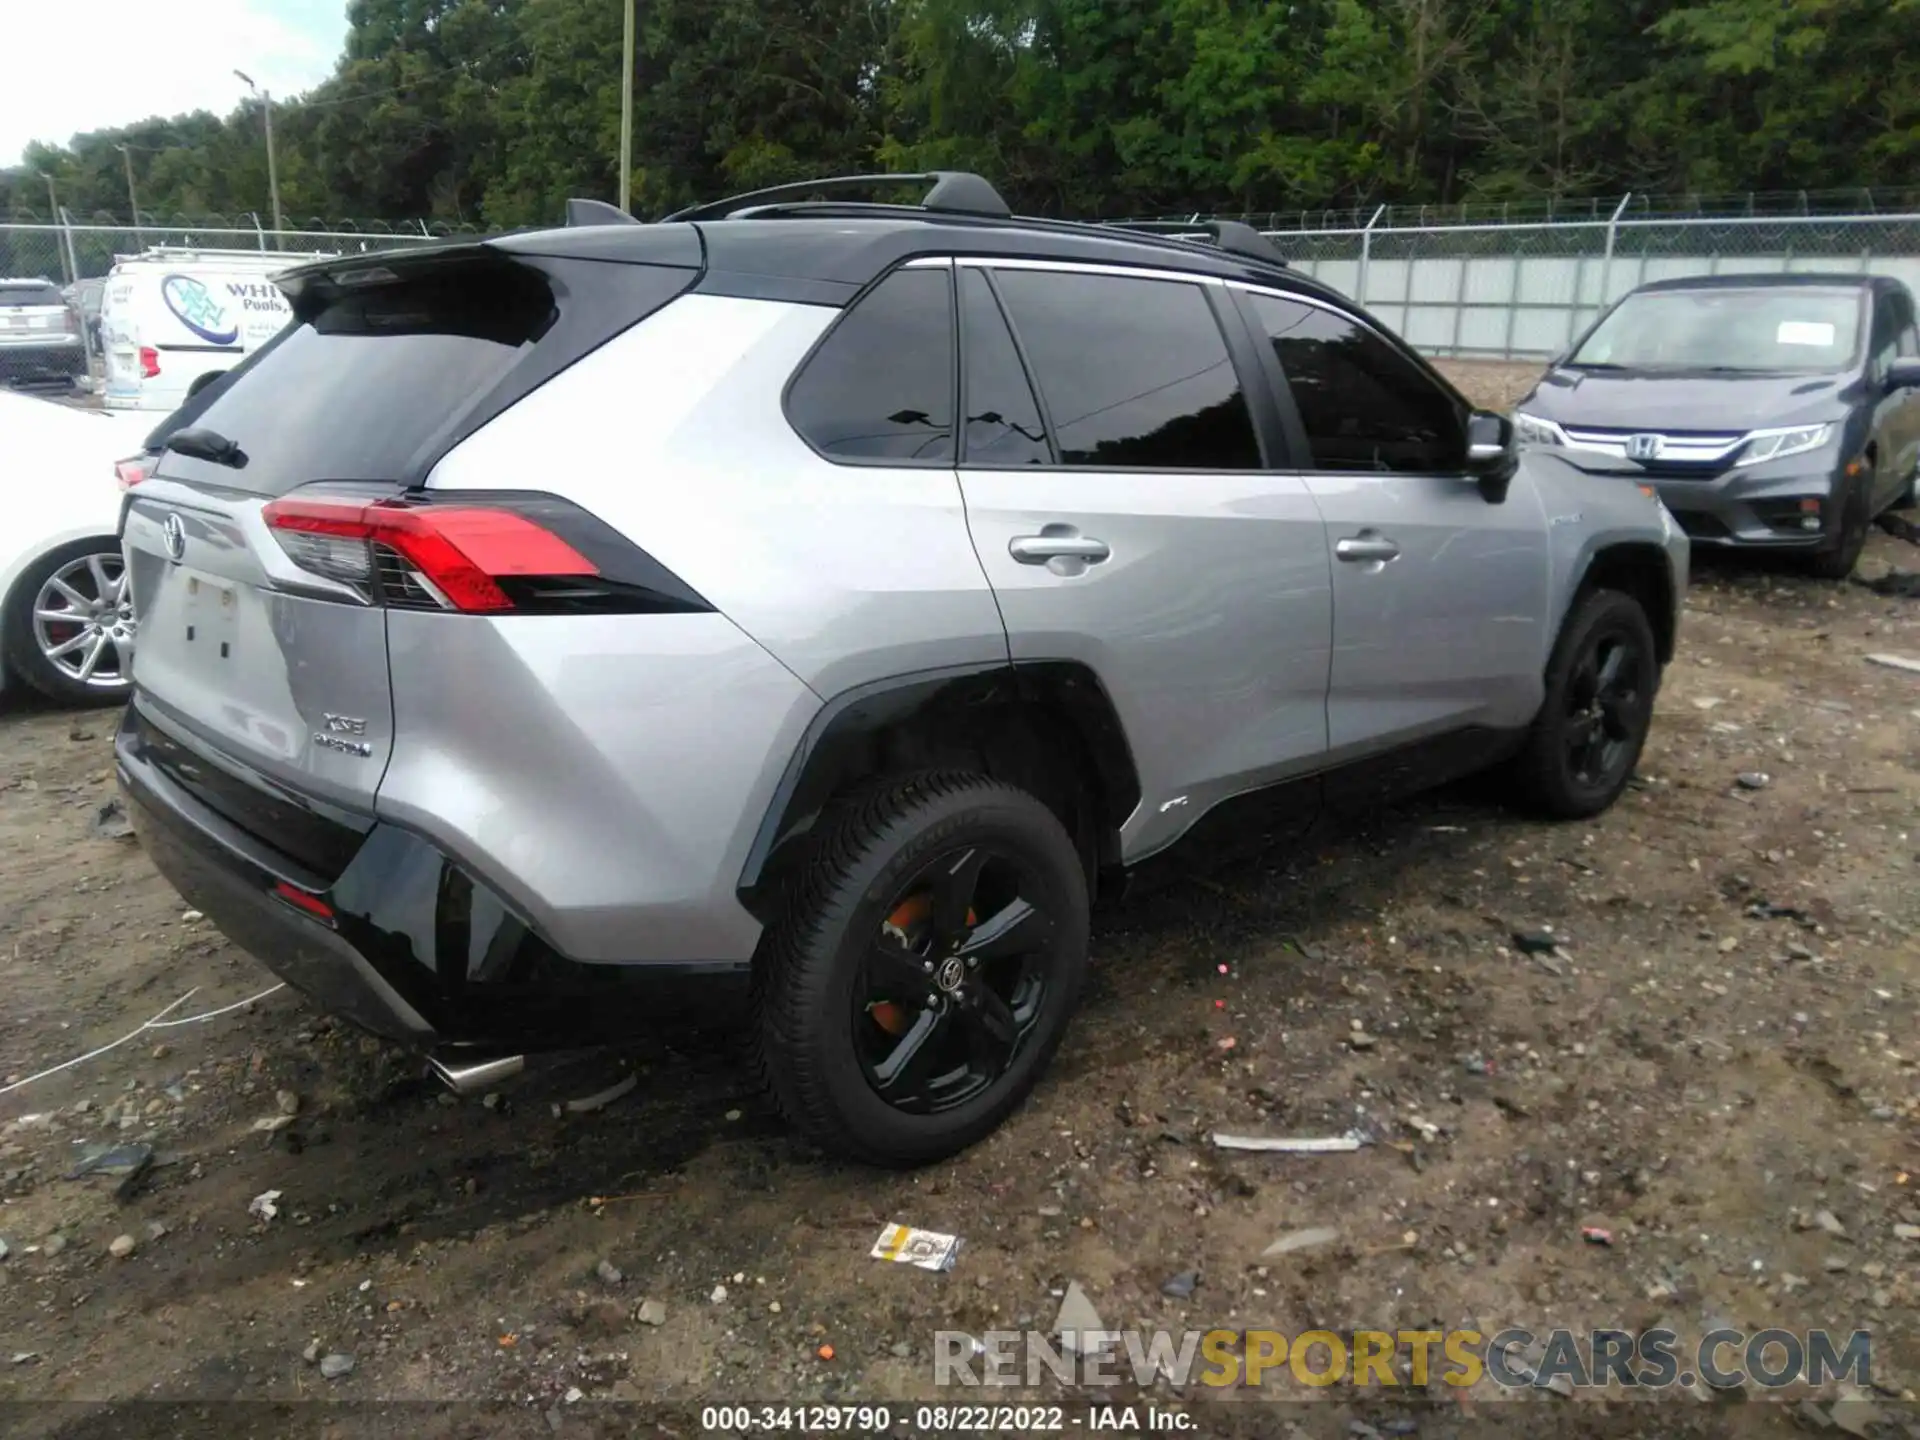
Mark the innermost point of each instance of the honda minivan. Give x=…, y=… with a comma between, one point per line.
x=1773, y=412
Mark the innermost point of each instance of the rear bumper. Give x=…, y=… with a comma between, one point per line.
x=402, y=942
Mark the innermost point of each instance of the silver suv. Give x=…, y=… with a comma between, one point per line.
x=799, y=609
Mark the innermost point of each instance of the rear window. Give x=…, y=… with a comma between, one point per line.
x=373, y=384
x=30, y=294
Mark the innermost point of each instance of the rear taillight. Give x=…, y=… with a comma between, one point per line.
x=149, y=362
x=130, y=473
x=448, y=557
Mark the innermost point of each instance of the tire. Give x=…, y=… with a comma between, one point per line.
x=1836, y=560
x=26, y=640
x=864, y=919
x=1551, y=775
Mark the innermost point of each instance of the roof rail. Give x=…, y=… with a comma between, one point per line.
x=1234, y=236
x=957, y=191
x=596, y=212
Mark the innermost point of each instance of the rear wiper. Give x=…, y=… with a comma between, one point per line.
x=200, y=443
x=1592, y=365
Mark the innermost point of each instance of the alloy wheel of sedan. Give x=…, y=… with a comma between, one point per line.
x=82, y=621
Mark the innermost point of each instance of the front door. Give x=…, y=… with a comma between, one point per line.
x=1126, y=521
x=1440, y=599
x=1896, y=426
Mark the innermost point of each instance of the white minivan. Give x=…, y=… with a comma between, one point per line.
x=173, y=318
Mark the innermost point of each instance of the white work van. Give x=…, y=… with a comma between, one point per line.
x=173, y=318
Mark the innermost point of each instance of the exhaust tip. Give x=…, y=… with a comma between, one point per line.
x=465, y=1075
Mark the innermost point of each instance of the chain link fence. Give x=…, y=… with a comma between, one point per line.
x=38, y=344
x=1519, y=291
x=1527, y=291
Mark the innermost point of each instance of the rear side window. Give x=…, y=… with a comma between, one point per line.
x=372, y=383
x=1003, y=419
x=880, y=386
x=30, y=295
x=1134, y=372
x=1363, y=404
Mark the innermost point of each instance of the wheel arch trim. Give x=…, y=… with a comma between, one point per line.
x=825, y=754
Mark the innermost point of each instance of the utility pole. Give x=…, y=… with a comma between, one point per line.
x=626, y=108
x=66, y=236
x=273, y=173
x=133, y=202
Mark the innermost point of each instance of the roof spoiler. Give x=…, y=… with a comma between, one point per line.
x=596, y=212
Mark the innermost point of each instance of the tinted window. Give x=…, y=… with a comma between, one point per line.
x=880, y=387
x=1364, y=405
x=364, y=387
x=30, y=294
x=1003, y=419
x=1135, y=372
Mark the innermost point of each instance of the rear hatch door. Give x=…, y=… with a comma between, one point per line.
x=270, y=669
x=32, y=313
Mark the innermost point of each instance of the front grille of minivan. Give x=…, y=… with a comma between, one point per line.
x=1680, y=454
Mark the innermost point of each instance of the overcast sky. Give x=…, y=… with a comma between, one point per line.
x=92, y=64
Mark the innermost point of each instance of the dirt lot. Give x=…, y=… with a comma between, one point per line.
x=1700, y=1081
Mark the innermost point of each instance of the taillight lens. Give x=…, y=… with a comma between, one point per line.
x=129, y=473
x=449, y=557
x=149, y=362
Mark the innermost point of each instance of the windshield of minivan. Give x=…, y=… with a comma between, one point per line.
x=1761, y=329
x=33, y=292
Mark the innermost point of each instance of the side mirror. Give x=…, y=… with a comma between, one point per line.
x=1904, y=373
x=1491, y=458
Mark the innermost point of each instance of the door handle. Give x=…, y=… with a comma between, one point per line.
x=1039, y=549
x=1366, y=547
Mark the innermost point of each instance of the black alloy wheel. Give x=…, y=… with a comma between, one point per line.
x=1604, y=705
x=929, y=957
x=955, y=980
x=1593, y=720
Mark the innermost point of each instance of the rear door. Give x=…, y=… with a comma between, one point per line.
x=1440, y=599
x=1127, y=521
x=278, y=667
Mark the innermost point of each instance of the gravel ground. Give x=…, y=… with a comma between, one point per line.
x=1496, y=384
x=1698, y=1080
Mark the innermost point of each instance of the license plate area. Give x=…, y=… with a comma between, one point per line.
x=208, y=618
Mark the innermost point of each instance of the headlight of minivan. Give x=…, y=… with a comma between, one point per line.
x=1764, y=445
x=1532, y=430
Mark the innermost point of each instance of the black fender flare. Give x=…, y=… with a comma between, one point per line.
x=1054, y=699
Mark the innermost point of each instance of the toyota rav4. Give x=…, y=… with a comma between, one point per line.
x=808, y=604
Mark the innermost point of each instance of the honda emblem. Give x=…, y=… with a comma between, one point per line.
x=1643, y=447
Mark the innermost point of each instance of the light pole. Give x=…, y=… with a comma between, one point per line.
x=273, y=174
x=133, y=202
x=626, y=108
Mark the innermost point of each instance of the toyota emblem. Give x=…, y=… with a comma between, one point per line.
x=173, y=530
x=1643, y=447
